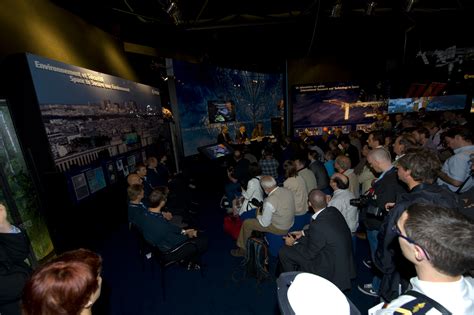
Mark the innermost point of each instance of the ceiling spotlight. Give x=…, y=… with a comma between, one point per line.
x=409, y=5
x=173, y=11
x=336, y=10
x=172, y=7
x=370, y=8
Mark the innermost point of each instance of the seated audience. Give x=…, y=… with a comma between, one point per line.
x=277, y=216
x=269, y=164
x=134, y=179
x=237, y=172
x=324, y=249
x=319, y=170
x=152, y=174
x=456, y=171
x=69, y=284
x=14, y=271
x=343, y=166
x=136, y=207
x=305, y=173
x=297, y=186
x=252, y=190
x=159, y=232
x=440, y=244
x=141, y=171
x=341, y=200
x=164, y=174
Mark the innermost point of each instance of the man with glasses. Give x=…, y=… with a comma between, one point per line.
x=418, y=169
x=440, y=244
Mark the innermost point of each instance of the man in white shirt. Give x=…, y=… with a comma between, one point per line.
x=342, y=164
x=341, y=200
x=277, y=217
x=440, y=243
x=456, y=171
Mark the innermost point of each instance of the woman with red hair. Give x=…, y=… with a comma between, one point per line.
x=70, y=284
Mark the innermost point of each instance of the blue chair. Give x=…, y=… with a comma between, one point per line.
x=275, y=242
x=301, y=221
x=250, y=214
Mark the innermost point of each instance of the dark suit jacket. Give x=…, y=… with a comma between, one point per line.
x=386, y=190
x=321, y=174
x=327, y=249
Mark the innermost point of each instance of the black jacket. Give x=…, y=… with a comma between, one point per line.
x=386, y=190
x=321, y=174
x=327, y=249
x=388, y=247
x=14, y=272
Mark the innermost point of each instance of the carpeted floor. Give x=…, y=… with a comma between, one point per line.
x=131, y=287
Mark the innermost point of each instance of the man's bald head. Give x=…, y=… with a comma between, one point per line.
x=339, y=181
x=268, y=183
x=134, y=179
x=317, y=199
x=380, y=155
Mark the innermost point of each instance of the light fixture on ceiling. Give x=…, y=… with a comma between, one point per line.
x=336, y=9
x=370, y=8
x=409, y=5
x=173, y=11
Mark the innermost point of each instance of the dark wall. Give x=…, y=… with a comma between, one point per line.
x=41, y=28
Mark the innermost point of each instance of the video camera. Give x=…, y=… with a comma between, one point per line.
x=361, y=202
x=367, y=202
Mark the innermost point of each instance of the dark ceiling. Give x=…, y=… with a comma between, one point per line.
x=269, y=31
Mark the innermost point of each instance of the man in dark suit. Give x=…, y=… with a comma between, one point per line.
x=385, y=190
x=325, y=249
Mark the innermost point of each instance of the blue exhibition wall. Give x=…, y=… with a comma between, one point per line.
x=255, y=95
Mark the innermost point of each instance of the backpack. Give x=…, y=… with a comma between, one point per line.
x=256, y=259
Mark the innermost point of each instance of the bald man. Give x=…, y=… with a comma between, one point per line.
x=341, y=200
x=343, y=165
x=324, y=249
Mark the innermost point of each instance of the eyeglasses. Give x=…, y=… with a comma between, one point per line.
x=397, y=231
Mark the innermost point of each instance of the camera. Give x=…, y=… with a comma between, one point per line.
x=361, y=202
x=256, y=202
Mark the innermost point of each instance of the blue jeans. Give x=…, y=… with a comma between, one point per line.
x=373, y=242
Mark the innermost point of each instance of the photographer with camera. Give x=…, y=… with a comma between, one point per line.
x=385, y=189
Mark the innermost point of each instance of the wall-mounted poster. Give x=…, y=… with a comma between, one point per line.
x=87, y=112
x=80, y=186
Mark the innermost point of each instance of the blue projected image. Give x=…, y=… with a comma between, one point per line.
x=431, y=103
